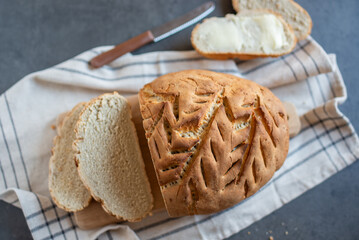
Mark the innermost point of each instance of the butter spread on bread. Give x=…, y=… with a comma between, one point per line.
x=215, y=139
x=251, y=33
x=296, y=16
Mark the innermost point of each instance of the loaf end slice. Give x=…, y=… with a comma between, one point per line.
x=296, y=16
x=66, y=187
x=109, y=158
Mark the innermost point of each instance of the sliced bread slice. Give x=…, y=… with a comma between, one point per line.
x=66, y=187
x=247, y=35
x=109, y=158
x=296, y=16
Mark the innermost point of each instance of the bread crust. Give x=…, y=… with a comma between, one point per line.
x=79, y=165
x=309, y=30
x=60, y=122
x=244, y=56
x=215, y=139
x=300, y=8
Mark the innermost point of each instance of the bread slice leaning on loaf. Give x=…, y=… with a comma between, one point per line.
x=109, y=158
x=247, y=35
x=66, y=187
x=296, y=16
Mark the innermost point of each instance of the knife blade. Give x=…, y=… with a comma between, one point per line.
x=154, y=35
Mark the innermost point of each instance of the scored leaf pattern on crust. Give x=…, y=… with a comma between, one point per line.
x=212, y=147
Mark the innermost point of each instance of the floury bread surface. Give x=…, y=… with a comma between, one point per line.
x=66, y=187
x=215, y=139
x=109, y=158
x=249, y=34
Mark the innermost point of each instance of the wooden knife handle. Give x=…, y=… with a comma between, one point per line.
x=121, y=49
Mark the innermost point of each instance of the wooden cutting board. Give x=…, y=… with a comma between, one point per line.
x=94, y=216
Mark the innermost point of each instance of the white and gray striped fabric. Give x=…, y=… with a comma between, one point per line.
x=308, y=77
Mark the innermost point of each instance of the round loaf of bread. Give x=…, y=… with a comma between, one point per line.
x=215, y=139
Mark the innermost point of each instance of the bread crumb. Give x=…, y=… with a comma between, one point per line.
x=286, y=232
x=249, y=233
x=53, y=127
x=271, y=238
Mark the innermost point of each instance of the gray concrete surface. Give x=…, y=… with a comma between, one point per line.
x=38, y=34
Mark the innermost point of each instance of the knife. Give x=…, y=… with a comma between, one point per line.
x=154, y=35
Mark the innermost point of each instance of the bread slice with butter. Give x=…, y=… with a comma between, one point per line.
x=296, y=16
x=247, y=35
x=109, y=160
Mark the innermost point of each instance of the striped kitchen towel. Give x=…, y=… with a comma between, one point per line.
x=308, y=77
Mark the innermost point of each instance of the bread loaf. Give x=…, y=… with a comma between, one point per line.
x=296, y=16
x=214, y=138
x=66, y=188
x=109, y=158
x=247, y=35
